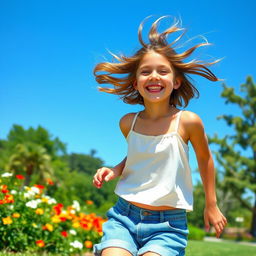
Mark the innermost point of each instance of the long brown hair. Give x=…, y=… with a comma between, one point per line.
x=123, y=85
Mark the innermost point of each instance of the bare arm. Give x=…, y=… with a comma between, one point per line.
x=198, y=138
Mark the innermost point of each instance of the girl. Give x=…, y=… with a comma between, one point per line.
x=155, y=188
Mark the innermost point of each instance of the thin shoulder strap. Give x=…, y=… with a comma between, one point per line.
x=134, y=120
x=178, y=121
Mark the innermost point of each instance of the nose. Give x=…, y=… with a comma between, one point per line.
x=154, y=75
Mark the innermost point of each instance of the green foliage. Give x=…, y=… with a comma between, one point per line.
x=195, y=233
x=39, y=136
x=86, y=164
x=226, y=201
x=196, y=217
x=237, y=152
x=28, y=159
x=73, y=185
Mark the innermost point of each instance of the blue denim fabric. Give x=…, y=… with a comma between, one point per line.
x=139, y=230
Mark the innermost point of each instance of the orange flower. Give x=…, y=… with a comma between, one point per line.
x=8, y=199
x=40, y=243
x=7, y=220
x=89, y=202
x=20, y=177
x=86, y=225
x=50, y=182
x=88, y=244
x=48, y=227
x=4, y=189
x=16, y=215
x=39, y=211
x=64, y=233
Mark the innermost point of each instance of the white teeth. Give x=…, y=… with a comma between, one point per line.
x=154, y=88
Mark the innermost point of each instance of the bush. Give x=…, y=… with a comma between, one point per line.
x=195, y=233
x=31, y=220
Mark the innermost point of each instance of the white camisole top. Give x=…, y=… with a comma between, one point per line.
x=157, y=171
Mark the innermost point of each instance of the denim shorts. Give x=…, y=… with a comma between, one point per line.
x=138, y=230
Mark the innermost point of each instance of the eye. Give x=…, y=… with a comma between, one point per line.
x=163, y=71
x=145, y=72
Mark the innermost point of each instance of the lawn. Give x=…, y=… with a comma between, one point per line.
x=195, y=248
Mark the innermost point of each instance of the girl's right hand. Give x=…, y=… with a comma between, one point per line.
x=104, y=174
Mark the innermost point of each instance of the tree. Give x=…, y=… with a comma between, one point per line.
x=39, y=135
x=237, y=153
x=87, y=164
x=30, y=151
x=30, y=159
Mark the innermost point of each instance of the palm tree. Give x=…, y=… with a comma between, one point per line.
x=30, y=158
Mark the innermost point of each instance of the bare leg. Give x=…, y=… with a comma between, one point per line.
x=113, y=251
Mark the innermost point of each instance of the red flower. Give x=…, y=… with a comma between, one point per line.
x=89, y=202
x=20, y=177
x=49, y=182
x=4, y=189
x=8, y=199
x=39, y=186
x=64, y=233
x=57, y=208
x=40, y=243
x=63, y=219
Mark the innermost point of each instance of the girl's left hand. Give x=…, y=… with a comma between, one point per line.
x=213, y=216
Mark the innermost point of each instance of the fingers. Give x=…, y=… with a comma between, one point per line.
x=217, y=219
x=219, y=226
x=97, y=179
x=206, y=224
x=109, y=176
x=101, y=175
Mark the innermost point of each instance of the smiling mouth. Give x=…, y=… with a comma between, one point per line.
x=154, y=88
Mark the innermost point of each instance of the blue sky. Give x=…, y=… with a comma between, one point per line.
x=48, y=50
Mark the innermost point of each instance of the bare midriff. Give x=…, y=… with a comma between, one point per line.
x=153, y=208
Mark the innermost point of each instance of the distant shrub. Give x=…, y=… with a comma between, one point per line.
x=195, y=233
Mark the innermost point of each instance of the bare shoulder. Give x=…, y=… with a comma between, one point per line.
x=126, y=123
x=191, y=118
x=192, y=123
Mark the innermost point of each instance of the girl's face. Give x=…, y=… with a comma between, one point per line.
x=155, y=78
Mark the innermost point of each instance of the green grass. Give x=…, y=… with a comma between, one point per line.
x=195, y=248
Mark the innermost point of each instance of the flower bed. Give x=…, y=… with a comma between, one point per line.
x=33, y=221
